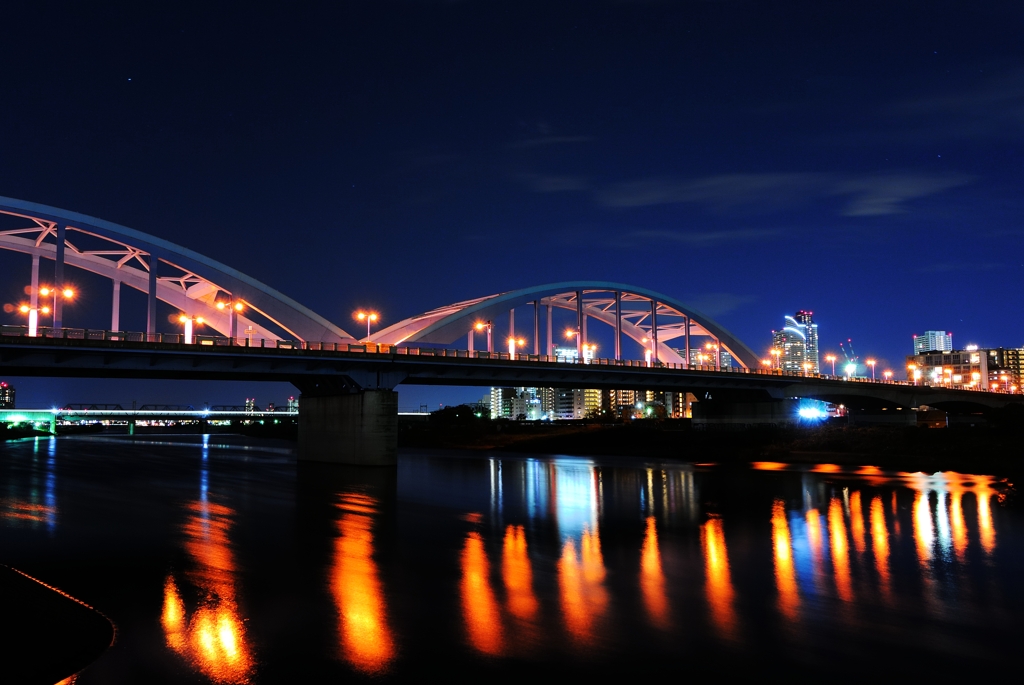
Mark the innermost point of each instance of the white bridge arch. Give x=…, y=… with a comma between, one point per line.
x=650, y=318
x=167, y=272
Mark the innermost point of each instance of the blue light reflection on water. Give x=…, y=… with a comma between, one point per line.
x=575, y=554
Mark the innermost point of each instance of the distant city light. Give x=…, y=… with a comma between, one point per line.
x=811, y=413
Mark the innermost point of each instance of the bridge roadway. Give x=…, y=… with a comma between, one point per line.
x=328, y=369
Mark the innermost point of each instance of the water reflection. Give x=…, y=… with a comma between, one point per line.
x=584, y=598
x=366, y=640
x=880, y=546
x=717, y=578
x=840, y=550
x=34, y=504
x=517, y=574
x=785, y=573
x=213, y=639
x=652, y=579
x=479, y=607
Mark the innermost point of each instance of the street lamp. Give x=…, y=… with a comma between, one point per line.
x=871, y=363
x=232, y=308
x=368, y=317
x=588, y=352
x=47, y=291
x=512, y=344
x=850, y=369
x=807, y=368
x=776, y=352
x=831, y=358
x=912, y=373
x=887, y=374
x=189, y=321
x=481, y=325
x=718, y=356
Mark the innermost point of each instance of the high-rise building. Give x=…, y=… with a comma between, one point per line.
x=797, y=342
x=6, y=396
x=933, y=341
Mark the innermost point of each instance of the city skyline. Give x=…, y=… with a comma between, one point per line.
x=417, y=168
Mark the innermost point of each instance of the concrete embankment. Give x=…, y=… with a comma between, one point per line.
x=49, y=635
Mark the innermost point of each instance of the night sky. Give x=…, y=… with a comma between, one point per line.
x=861, y=160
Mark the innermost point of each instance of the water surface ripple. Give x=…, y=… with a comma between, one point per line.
x=221, y=560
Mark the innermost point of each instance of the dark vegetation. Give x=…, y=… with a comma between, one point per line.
x=995, y=444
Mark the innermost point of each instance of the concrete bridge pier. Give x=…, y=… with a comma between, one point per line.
x=351, y=421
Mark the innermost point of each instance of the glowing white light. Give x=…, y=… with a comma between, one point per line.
x=811, y=413
x=851, y=369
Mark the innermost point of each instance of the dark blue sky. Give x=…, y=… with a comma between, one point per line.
x=862, y=160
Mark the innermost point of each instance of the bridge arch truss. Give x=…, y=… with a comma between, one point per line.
x=194, y=284
x=655, y=321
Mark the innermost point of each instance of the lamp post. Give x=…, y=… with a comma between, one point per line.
x=777, y=353
x=368, y=317
x=33, y=313
x=887, y=374
x=512, y=344
x=718, y=355
x=233, y=308
x=481, y=325
x=189, y=322
x=831, y=358
x=912, y=373
x=871, y=363
x=807, y=368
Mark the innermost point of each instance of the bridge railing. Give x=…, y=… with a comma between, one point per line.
x=178, y=339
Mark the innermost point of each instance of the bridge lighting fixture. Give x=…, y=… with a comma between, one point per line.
x=887, y=374
x=832, y=359
x=24, y=309
x=871, y=363
x=513, y=343
x=807, y=368
x=850, y=369
x=369, y=318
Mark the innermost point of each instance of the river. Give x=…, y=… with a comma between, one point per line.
x=221, y=559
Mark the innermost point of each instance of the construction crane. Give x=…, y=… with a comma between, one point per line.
x=848, y=352
x=852, y=360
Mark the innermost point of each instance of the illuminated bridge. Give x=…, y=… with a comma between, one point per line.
x=348, y=409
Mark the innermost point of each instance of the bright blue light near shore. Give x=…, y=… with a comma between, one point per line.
x=811, y=413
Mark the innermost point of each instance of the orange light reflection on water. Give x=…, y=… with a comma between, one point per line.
x=584, y=598
x=857, y=523
x=785, y=573
x=983, y=491
x=769, y=465
x=717, y=578
x=517, y=573
x=880, y=545
x=366, y=639
x=480, y=610
x=924, y=531
x=652, y=578
x=840, y=550
x=213, y=640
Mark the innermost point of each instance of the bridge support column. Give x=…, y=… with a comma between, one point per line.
x=115, y=309
x=359, y=428
x=58, y=278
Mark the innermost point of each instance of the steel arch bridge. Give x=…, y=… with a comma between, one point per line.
x=651, y=319
x=184, y=279
x=199, y=286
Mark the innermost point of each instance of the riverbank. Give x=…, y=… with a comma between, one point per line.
x=51, y=635
x=989, y=450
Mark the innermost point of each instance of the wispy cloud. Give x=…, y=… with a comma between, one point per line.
x=717, y=304
x=992, y=107
x=542, y=141
x=868, y=195
x=722, y=190
x=700, y=238
x=949, y=267
x=552, y=183
x=880, y=195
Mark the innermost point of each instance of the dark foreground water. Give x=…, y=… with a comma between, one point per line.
x=224, y=561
